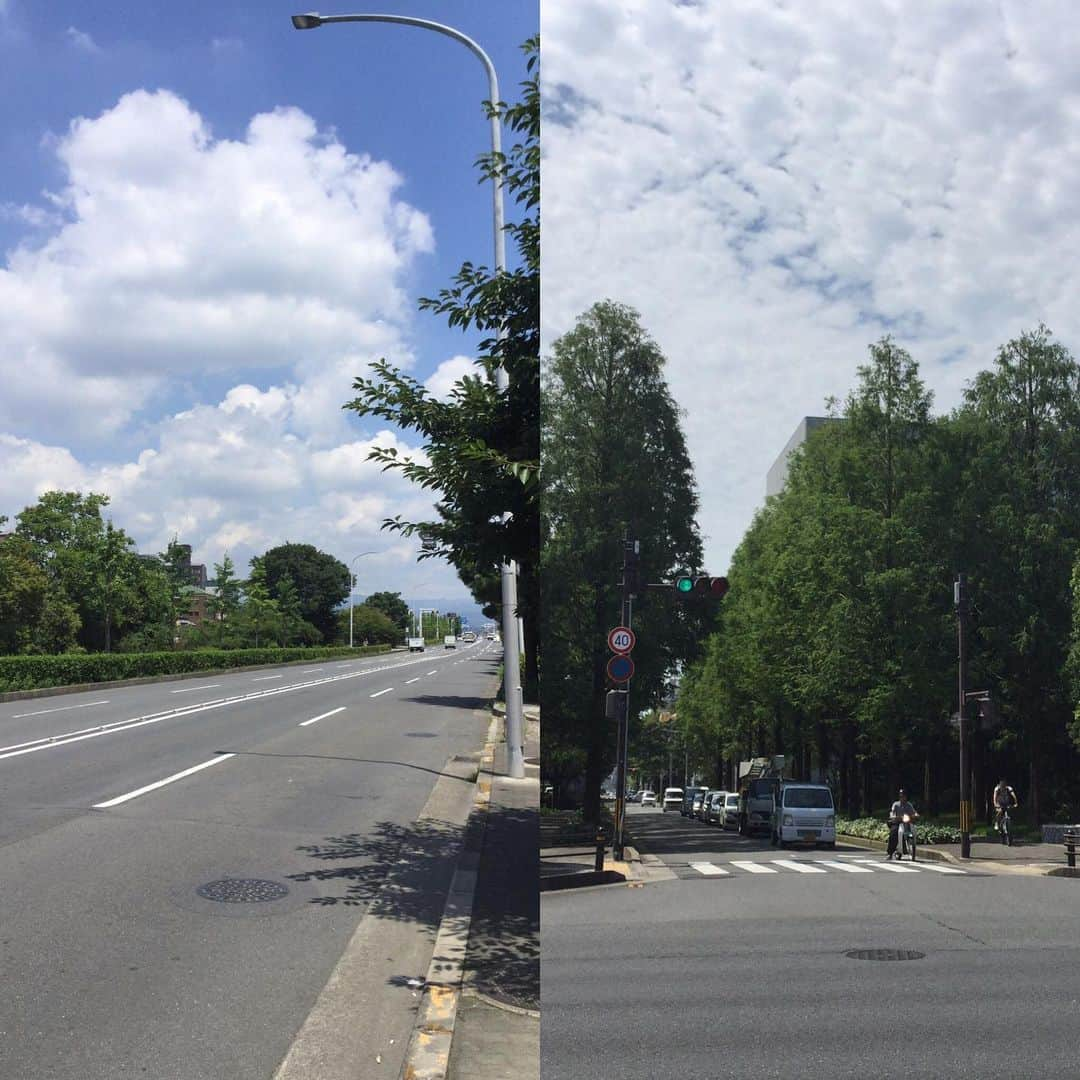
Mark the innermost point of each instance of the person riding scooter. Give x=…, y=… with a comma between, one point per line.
x=896, y=816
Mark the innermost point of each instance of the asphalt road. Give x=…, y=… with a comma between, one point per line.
x=746, y=973
x=335, y=786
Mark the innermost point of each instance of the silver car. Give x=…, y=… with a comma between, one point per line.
x=731, y=810
x=714, y=809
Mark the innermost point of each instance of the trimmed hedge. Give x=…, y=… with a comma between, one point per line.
x=875, y=829
x=73, y=669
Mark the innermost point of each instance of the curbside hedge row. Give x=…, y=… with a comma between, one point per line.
x=39, y=672
x=874, y=829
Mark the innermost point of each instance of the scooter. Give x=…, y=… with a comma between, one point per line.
x=905, y=840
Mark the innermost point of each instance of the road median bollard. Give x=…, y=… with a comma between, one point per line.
x=1071, y=836
x=601, y=843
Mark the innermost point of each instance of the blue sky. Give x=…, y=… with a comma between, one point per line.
x=210, y=222
x=776, y=185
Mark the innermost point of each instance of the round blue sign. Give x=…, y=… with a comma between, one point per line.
x=620, y=668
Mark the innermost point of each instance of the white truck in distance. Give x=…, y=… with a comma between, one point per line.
x=449, y=642
x=416, y=644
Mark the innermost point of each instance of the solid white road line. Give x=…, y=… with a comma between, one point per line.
x=63, y=708
x=161, y=783
x=754, y=868
x=708, y=869
x=381, y=692
x=435, y=672
x=309, y=670
x=938, y=868
x=321, y=716
x=848, y=868
x=263, y=678
x=208, y=686
x=896, y=868
x=407, y=681
x=798, y=867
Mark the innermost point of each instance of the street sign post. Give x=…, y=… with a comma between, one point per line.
x=620, y=669
x=621, y=640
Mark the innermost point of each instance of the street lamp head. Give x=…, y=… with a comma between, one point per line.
x=308, y=21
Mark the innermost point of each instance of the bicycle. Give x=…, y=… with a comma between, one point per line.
x=1003, y=824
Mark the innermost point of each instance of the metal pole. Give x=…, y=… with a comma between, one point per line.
x=630, y=549
x=515, y=726
x=961, y=601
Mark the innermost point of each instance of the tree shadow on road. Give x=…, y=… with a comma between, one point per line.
x=400, y=871
x=450, y=701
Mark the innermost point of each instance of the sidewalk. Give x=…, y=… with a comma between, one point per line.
x=1021, y=857
x=497, y=1030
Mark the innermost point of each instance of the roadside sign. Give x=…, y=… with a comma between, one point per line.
x=621, y=640
x=620, y=669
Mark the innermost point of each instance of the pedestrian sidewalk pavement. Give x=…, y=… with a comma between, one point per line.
x=497, y=1030
x=993, y=850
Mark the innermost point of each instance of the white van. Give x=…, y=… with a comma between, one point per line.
x=672, y=799
x=804, y=814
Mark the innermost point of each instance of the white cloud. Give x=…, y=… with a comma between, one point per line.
x=774, y=187
x=275, y=265
x=82, y=41
x=450, y=372
x=182, y=254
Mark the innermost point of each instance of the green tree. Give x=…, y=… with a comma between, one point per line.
x=392, y=606
x=225, y=603
x=34, y=615
x=371, y=625
x=320, y=580
x=482, y=446
x=615, y=457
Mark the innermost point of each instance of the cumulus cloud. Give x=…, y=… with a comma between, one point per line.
x=181, y=254
x=272, y=266
x=82, y=41
x=774, y=187
x=449, y=372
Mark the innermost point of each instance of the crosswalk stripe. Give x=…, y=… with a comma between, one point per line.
x=896, y=868
x=942, y=869
x=849, y=868
x=708, y=869
x=754, y=868
x=802, y=868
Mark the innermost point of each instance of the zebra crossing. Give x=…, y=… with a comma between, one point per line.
x=740, y=867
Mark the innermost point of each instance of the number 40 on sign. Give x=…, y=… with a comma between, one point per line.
x=621, y=640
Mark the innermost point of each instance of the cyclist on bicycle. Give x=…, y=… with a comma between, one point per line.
x=1004, y=799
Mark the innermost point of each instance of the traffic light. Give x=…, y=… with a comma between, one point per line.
x=715, y=587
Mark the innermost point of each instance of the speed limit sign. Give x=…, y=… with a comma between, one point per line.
x=621, y=640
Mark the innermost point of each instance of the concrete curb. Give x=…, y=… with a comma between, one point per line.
x=427, y=1056
x=924, y=851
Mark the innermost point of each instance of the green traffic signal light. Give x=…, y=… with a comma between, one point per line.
x=684, y=584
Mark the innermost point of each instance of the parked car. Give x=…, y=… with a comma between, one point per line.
x=731, y=810
x=672, y=799
x=703, y=809
x=714, y=812
x=648, y=798
x=804, y=813
x=699, y=801
x=688, y=799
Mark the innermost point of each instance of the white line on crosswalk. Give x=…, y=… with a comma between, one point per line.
x=708, y=869
x=754, y=868
x=849, y=868
x=801, y=868
x=896, y=868
x=938, y=868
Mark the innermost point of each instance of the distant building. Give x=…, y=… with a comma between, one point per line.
x=777, y=475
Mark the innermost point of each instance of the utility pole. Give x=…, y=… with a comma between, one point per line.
x=960, y=599
x=631, y=551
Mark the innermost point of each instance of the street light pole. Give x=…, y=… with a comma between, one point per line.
x=515, y=728
x=352, y=586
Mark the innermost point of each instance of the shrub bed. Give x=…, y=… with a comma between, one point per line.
x=875, y=829
x=40, y=672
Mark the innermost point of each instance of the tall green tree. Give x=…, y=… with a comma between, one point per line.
x=391, y=605
x=482, y=445
x=615, y=457
x=321, y=582
x=225, y=603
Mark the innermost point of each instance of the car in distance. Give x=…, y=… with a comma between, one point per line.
x=731, y=810
x=714, y=812
x=695, y=806
x=648, y=798
x=688, y=799
x=416, y=644
x=672, y=799
x=449, y=642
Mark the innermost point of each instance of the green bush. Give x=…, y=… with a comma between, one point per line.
x=71, y=669
x=876, y=829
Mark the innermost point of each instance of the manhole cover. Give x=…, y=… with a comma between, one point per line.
x=242, y=891
x=884, y=954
